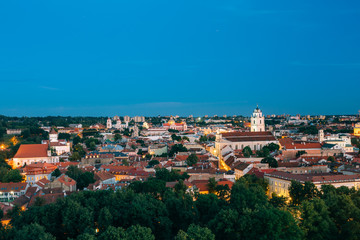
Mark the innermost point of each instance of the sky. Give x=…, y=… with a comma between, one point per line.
x=106, y=58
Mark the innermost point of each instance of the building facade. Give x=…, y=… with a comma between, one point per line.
x=257, y=121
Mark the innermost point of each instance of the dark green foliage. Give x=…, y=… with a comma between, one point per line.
x=10, y=175
x=56, y=173
x=31, y=232
x=170, y=176
x=195, y=232
x=309, y=130
x=174, y=137
x=203, y=139
x=247, y=151
x=316, y=221
x=153, y=163
x=83, y=179
x=149, y=210
x=117, y=137
x=300, y=192
x=192, y=159
x=177, y=148
x=271, y=161
x=299, y=153
x=278, y=201
x=66, y=136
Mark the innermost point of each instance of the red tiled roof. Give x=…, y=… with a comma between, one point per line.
x=13, y=187
x=316, y=178
x=32, y=151
x=68, y=181
x=103, y=175
x=42, y=182
x=39, y=168
x=303, y=145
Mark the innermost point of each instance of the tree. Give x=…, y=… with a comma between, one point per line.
x=299, y=153
x=273, y=163
x=185, y=138
x=177, y=148
x=117, y=137
x=247, y=152
x=76, y=218
x=65, y=136
x=105, y=218
x=299, y=192
x=203, y=139
x=39, y=201
x=208, y=206
x=192, y=159
x=180, y=187
x=278, y=201
x=273, y=147
x=174, y=137
x=83, y=179
x=14, y=175
x=315, y=220
x=195, y=232
x=153, y=163
x=76, y=140
x=212, y=184
x=112, y=233
x=31, y=232
x=137, y=232
x=86, y=236
x=56, y=173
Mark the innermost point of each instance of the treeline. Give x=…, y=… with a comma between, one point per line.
x=151, y=211
x=23, y=122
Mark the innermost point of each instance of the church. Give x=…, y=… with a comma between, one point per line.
x=171, y=124
x=256, y=139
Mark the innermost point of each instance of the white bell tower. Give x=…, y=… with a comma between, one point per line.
x=108, y=123
x=257, y=121
x=321, y=135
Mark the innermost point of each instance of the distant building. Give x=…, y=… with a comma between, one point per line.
x=139, y=119
x=279, y=182
x=357, y=130
x=37, y=171
x=64, y=182
x=240, y=140
x=109, y=123
x=60, y=146
x=32, y=153
x=11, y=191
x=126, y=119
x=257, y=121
x=171, y=124
x=13, y=131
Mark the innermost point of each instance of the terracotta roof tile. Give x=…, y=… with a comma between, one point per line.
x=32, y=151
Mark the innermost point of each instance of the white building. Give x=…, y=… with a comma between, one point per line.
x=60, y=146
x=109, y=123
x=257, y=121
x=32, y=153
x=240, y=140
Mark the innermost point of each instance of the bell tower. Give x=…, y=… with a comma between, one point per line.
x=257, y=121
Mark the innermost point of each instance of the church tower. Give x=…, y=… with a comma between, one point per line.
x=257, y=121
x=321, y=135
x=108, y=123
x=53, y=136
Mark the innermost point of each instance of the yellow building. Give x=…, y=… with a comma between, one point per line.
x=279, y=182
x=357, y=130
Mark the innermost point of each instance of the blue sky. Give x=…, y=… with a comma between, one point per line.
x=179, y=57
